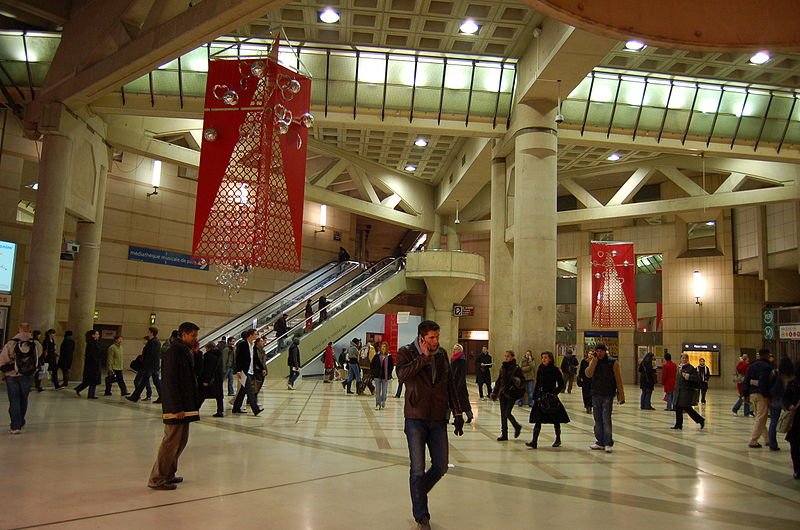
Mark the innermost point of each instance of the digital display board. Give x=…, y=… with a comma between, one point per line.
x=8, y=252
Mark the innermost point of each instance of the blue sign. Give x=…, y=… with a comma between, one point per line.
x=163, y=257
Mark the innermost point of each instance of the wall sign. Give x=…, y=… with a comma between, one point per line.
x=790, y=332
x=163, y=257
x=8, y=253
x=463, y=310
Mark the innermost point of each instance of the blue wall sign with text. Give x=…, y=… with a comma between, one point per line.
x=163, y=257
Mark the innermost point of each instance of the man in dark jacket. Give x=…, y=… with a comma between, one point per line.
x=247, y=363
x=150, y=365
x=294, y=362
x=425, y=370
x=212, y=376
x=757, y=384
x=281, y=328
x=483, y=375
x=569, y=368
x=180, y=404
x=606, y=376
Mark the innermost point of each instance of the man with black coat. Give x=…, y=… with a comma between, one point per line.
x=483, y=374
x=569, y=367
x=180, y=405
x=281, y=328
x=508, y=388
x=150, y=365
x=756, y=387
x=294, y=362
x=424, y=368
x=247, y=363
x=212, y=377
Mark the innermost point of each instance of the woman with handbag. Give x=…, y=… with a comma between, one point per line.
x=687, y=394
x=509, y=388
x=791, y=399
x=547, y=408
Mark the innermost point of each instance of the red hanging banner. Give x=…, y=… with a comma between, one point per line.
x=613, y=285
x=391, y=331
x=249, y=209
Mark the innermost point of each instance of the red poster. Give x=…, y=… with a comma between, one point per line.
x=613, y=285
x=391, y=331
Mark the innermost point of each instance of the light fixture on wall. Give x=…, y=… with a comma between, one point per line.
x=699, y=287
x=155, y=179
x=457, y=220
x=152, y=319
x=323, y=218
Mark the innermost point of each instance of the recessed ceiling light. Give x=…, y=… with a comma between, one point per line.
x=421, y=142
x=470, y=27
x=329, y=16
x=410, y=168
x=613, y=157
x=760, y=58
x=635, y=45
x=710, y=223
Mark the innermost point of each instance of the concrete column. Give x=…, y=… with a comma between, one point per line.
x=501, y=261
x=453, y=239
x=83, y=293
x=435, y=241
x=535, y=189
x=41, y=287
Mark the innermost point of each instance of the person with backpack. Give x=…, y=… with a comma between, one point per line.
x=547, y=408
x=91, y=364
x=18, y=363
x=353, y=371
x=510, y=386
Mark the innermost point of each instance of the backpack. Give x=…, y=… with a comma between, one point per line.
x=25, y=356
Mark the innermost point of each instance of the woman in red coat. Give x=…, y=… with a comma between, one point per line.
x=668, y=374
x=329, y=364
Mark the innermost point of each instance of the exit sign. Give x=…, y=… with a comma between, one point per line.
x=463, y=310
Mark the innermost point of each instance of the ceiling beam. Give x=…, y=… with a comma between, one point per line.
x=580, y=193
x=631, y=186
x=326, y=177
x=363, y=184
x=732, y=183
x=682, y=181
x=80, y=83
x=466, y=179
x=55, y=11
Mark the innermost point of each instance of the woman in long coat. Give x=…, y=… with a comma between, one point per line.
x=687, y=392
x=549, y=383
x=458, y=363
x=91, y=364
x=647, y=381
x=65, y=357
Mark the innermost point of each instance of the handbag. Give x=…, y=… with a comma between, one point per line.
x=548, y=403
x=136, y=364
x=785, y=420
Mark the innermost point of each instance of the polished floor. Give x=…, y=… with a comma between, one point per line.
x=319, y=459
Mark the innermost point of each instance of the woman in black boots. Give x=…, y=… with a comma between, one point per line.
x=510, y=386
x=547, y=408
x=91, y=364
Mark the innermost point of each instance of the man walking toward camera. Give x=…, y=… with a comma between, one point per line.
x=424, y=368
x=606, y=378
x=180, y=404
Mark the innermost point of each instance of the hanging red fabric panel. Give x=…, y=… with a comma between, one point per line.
x=613, y=285
x=249, y=206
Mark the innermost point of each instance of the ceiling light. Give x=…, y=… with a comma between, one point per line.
x=421, y=142
x=329, y=16
x=410, y=168
x=635, y=45
x=760, y=58
x=613, y=157
x=470, y=27
x=710, y=223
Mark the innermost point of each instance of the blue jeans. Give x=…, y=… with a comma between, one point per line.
x=293, y=375
x=353, y=373
x=433, y=434
x=140, y=386
x=229, y=378
x=669, y=400
x=381, y=389
x=645, y=400
x=18, y=388
x=738, y=405
x=530, y=384
x=774, y=415
x=601, y=410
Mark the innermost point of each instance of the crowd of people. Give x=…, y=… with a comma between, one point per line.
x=184, y=375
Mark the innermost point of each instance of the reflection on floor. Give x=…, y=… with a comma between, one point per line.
x=319, y=459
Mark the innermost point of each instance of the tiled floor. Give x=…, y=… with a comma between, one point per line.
x=319, y=459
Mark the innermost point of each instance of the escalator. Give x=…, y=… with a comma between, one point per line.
x=350, y=305
x=290, y=300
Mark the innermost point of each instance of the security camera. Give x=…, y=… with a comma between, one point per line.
x=559, y=118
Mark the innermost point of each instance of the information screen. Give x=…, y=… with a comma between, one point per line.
x=8, y=252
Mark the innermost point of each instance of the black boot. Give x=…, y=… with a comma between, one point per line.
x=534, y=443
x=557, y=428
x=350, y=387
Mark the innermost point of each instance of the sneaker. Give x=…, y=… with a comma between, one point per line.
x=15, y=431
x=596, y=447
x=609, y=449
x=146, y=398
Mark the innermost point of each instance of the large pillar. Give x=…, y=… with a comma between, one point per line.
x=535, y=189
x=83, y=293
x=501, y=261
x=41, y=287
